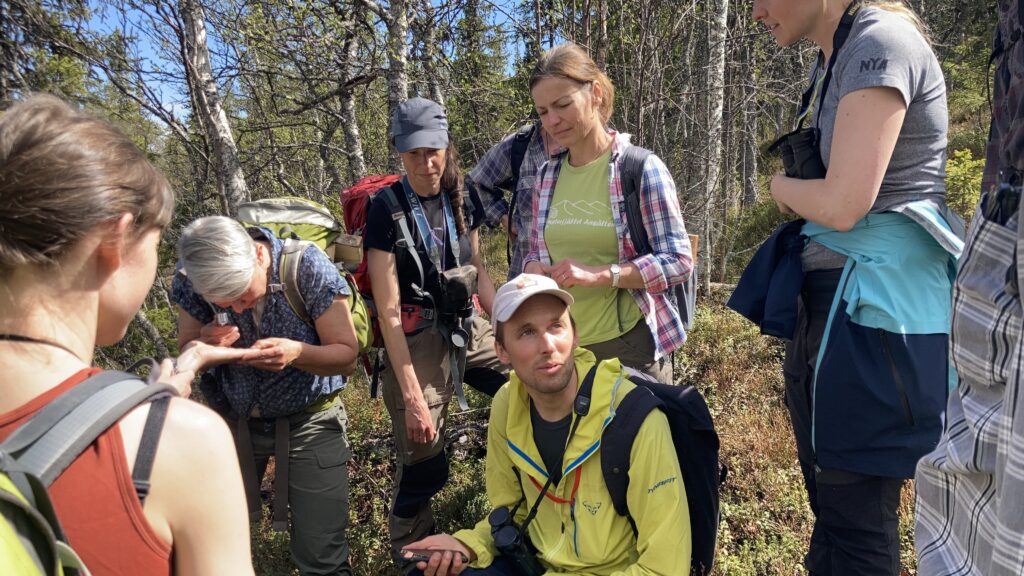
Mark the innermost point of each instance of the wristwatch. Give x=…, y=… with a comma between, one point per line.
x=615, y=270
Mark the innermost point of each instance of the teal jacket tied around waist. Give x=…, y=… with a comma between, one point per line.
x=882, y=373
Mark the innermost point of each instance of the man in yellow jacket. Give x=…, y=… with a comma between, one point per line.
x=543, y=454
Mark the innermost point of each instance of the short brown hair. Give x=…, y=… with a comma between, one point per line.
x=571, y=62
x=62, y=173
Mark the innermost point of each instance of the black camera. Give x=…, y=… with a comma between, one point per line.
x=801, y=153
x=457, y=288
x=513, y=543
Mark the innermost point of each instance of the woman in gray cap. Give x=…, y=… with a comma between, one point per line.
x=425, y=266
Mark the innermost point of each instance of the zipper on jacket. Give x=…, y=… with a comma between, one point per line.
x=896, y=376
x=575, y=527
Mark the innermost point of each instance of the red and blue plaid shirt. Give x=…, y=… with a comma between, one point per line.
x=668, y=265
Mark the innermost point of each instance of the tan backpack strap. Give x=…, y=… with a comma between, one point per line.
x=291, y=258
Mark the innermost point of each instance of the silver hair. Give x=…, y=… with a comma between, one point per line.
x=218, y=256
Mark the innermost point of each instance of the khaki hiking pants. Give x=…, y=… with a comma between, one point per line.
x=422, y=469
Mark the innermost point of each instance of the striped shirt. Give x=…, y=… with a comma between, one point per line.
x=669, y=264
x=970, y=490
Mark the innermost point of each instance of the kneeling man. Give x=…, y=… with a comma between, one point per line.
x=544, y=461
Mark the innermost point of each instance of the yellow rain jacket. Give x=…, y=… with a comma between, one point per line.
x=576, y=530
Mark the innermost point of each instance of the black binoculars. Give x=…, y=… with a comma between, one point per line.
x=513, y=544
x=801, y=154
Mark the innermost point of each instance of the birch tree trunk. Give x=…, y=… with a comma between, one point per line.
x=398, y=75
x=718, y=16
x=349, y=125
x=749, y=166
x=230, y=179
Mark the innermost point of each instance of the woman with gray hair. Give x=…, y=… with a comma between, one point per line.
x=283, y=397
x=221, y=257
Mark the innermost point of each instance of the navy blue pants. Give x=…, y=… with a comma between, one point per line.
x=856, y=529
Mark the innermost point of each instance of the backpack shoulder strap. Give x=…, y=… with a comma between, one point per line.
x=403, y=235
x=148, y=445
x=587, y=386
x=617, y=441
x=631, y=170
x=51, y=440
x=520, y=143
x=291, y=259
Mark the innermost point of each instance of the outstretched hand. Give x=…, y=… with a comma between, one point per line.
x=198, y=356
x=180, y=378
x=195, y=357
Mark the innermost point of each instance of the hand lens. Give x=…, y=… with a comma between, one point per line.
x=459, y=338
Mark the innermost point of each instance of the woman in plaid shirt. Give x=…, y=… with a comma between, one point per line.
x=581, y=238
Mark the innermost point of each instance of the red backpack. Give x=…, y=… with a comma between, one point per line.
x=355, y=205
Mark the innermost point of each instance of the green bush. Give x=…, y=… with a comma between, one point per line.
x=963, y=182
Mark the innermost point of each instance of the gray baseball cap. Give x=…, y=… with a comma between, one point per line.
x=419, y=123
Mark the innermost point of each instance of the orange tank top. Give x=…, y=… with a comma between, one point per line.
x=96, y=501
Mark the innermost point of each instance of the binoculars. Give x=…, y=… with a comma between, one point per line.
x=513, y=543
x=801, y=154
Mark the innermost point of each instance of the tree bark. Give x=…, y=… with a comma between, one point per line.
x=718, y=15
x=230, y=179
x=398, y=75
x=749, y=166
x=349, y=124
x=601, y=54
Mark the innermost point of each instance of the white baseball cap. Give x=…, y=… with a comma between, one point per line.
x=513, y=293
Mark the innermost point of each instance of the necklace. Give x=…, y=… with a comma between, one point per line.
x=31, y=340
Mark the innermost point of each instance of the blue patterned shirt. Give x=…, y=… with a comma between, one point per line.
x=262, y=393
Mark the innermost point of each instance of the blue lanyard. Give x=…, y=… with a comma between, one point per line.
x=434, y=251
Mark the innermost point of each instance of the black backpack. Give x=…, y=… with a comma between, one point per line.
x=520, y=142
x=696, y=442
x=683, y=296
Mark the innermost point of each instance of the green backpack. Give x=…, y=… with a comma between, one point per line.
x=28, y=536
x=37, y=452
x=300, y=222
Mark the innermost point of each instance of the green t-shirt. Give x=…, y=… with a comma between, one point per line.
x=580, y=226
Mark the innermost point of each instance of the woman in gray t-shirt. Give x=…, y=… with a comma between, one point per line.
x=882, y=122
